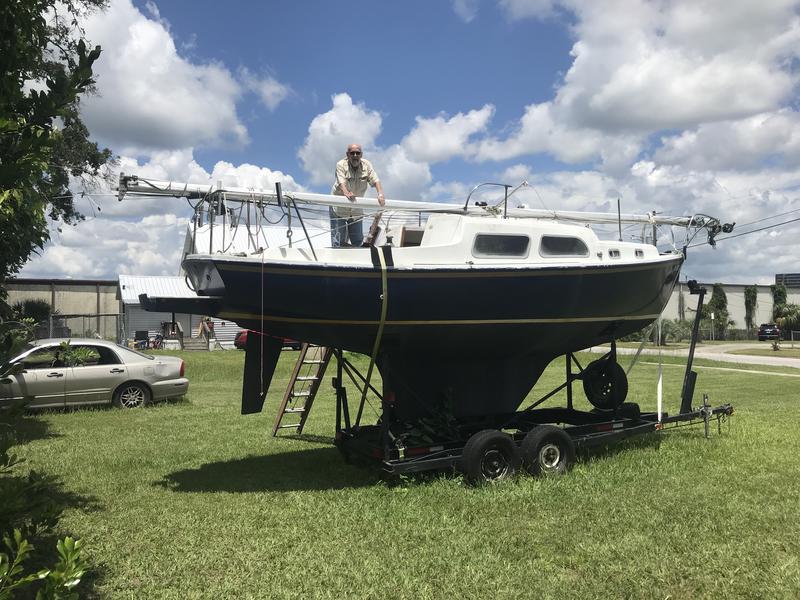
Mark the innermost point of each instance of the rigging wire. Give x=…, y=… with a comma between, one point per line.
x=728, y=237
x=783, y=214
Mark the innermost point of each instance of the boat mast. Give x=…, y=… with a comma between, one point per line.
x=141, y=186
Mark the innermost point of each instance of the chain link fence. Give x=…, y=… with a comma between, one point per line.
x=107, y=326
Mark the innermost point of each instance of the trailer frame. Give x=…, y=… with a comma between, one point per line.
x=585, y=429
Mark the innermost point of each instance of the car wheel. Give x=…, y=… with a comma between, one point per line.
x=131, y=395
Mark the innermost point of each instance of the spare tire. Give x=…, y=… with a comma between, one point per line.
x=605, y=384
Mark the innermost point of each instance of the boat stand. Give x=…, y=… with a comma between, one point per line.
x=580, y=430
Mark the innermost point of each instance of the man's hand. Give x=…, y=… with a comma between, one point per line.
x=381, y=200
x=350, y=196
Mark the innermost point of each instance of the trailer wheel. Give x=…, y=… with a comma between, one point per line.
x=489, y=455
x=605, y=384
x=547, y=450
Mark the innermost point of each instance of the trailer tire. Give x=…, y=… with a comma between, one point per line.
x=489, y=456
x=605, y=384
x=547, y=450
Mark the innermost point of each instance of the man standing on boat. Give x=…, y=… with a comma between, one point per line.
x=353, y=175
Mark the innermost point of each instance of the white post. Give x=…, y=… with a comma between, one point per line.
x=660, y=384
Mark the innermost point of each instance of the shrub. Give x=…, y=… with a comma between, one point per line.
x=27, y=505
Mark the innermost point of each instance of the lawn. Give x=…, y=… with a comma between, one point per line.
x=784, y=352
x=192, y=500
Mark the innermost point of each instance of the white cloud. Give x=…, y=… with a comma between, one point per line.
x=140, y=235
x=640, y=67
x=541, y=130
x=270, y=91
x=345, y=123
x=330, y=133
x=466, y=10
x=104, y=247
x=439, y=139
x=252, y=176
x=150, y=98
x=742, y=144
x=402, y=177
x=524, y=9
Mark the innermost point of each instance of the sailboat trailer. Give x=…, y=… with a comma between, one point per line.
x=460, y=323
x=493, y=447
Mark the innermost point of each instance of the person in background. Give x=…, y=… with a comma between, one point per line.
x=353, y=175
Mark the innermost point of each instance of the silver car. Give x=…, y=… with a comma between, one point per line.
x=108, y=373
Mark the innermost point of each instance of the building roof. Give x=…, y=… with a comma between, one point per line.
x=130, y=286
x=61, y=281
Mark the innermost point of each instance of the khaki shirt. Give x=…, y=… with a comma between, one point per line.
x=357, y=182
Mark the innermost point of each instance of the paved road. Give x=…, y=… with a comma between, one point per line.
x=720, y=352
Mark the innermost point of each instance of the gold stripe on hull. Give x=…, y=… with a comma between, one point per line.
x=233, y=316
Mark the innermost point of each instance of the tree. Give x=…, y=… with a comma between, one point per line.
x=778, y=299
x=718, y=305
x=45, y=66
x=750, y=304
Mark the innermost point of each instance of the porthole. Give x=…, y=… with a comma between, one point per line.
x=557, y=245
x=500, y=245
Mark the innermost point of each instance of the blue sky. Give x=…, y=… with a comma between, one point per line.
x=402, y=59
x=681, y=106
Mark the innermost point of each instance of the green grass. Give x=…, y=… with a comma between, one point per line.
x=784, y=352
x=192, y=500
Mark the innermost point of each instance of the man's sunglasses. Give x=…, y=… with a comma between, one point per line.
x=354, y=153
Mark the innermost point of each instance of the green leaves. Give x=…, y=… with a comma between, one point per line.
x=58, y=582
x=35, y=164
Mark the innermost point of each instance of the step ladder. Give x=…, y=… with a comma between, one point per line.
x=303, y=386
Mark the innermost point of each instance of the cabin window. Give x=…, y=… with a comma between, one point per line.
x=640, y=254
x=556, y=245
x=613, y=253
x=494, y=245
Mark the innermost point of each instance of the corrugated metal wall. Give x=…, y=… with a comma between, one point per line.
x=136, y=319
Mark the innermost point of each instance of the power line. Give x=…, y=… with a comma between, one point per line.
x=728, y=237
x=788, y=212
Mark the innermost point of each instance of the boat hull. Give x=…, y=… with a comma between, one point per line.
x=502, y=311
x=474, y=338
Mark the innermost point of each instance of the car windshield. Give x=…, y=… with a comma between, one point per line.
x=23, y=350
x=142, y=354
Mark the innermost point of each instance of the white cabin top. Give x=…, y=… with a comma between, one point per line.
x=449, y=240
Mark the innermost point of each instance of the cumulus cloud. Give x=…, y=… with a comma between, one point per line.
x=140, y=235
x=640, y=67
x=270, y=91
x=330, y=132
x=345, y=123
x=742, y=144
x=150, y=98
x=466, y=9
x=103, y=248
x=439, y=139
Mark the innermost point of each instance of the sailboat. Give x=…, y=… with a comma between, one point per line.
x=467, y=310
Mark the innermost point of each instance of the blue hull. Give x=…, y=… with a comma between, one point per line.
x=477, y=339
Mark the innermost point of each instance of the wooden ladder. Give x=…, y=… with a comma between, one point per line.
x=303, y=386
